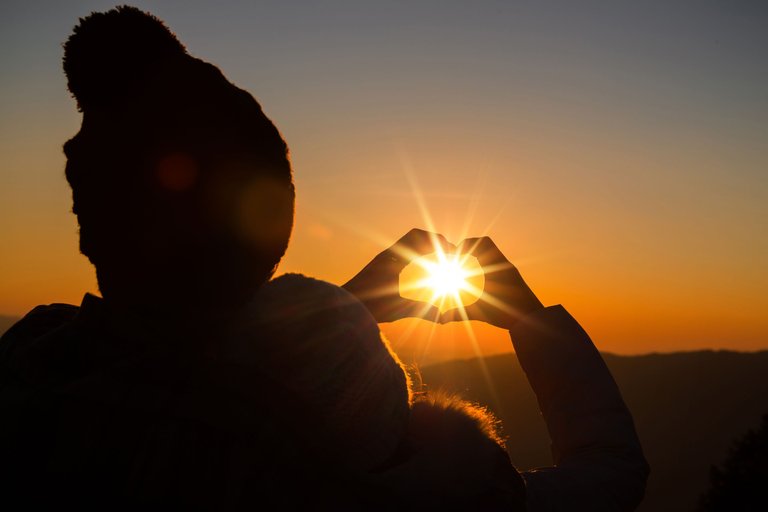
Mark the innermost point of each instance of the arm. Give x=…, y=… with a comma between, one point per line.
x=599, y=464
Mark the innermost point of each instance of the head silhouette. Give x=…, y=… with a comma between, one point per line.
x=181, y=185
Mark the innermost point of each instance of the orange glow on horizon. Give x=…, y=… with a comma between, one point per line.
x=612, y=188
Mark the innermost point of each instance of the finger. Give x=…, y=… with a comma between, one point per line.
x=378, y=292
x=418, y=242
x=424, y=242
x=461, y=314
x=416, y=309
x=485, y=250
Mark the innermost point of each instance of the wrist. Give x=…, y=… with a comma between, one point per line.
x=525, y=308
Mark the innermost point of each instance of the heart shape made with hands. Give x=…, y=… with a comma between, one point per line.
x=448, y=281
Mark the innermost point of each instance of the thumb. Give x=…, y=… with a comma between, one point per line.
x=416, y=309
x=462, y=314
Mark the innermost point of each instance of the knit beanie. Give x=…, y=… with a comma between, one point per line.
x=322, y=346
x=127, y=65
x=167, y=138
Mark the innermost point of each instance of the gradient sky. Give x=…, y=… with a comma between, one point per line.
x=616, y=151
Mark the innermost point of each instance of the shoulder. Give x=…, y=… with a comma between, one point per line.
x=295, y=298
x=39, y=322
x=299, y=311
x=304, y=288
x=43, y=319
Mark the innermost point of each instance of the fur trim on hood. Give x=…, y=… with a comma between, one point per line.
x=453, y=458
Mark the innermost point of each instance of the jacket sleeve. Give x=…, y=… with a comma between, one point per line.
x=599, y=463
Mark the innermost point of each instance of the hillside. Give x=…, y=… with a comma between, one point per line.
x=688, y=408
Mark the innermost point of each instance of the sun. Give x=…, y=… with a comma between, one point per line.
x=446, y=278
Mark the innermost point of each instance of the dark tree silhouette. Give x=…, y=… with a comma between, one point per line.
x=741, y=482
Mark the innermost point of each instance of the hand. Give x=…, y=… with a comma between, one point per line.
x=505, y=298
x=378, y=284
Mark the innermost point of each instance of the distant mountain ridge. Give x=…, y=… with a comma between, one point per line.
x=688, y=408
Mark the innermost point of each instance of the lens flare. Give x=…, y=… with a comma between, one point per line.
x=446, y=280
x=415, y=282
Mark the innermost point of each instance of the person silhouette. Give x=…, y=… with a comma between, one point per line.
x=199, y=381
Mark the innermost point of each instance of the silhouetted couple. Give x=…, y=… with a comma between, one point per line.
x=200, y=382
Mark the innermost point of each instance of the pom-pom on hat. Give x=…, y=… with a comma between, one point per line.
x=109, y=53
x=127, y=63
